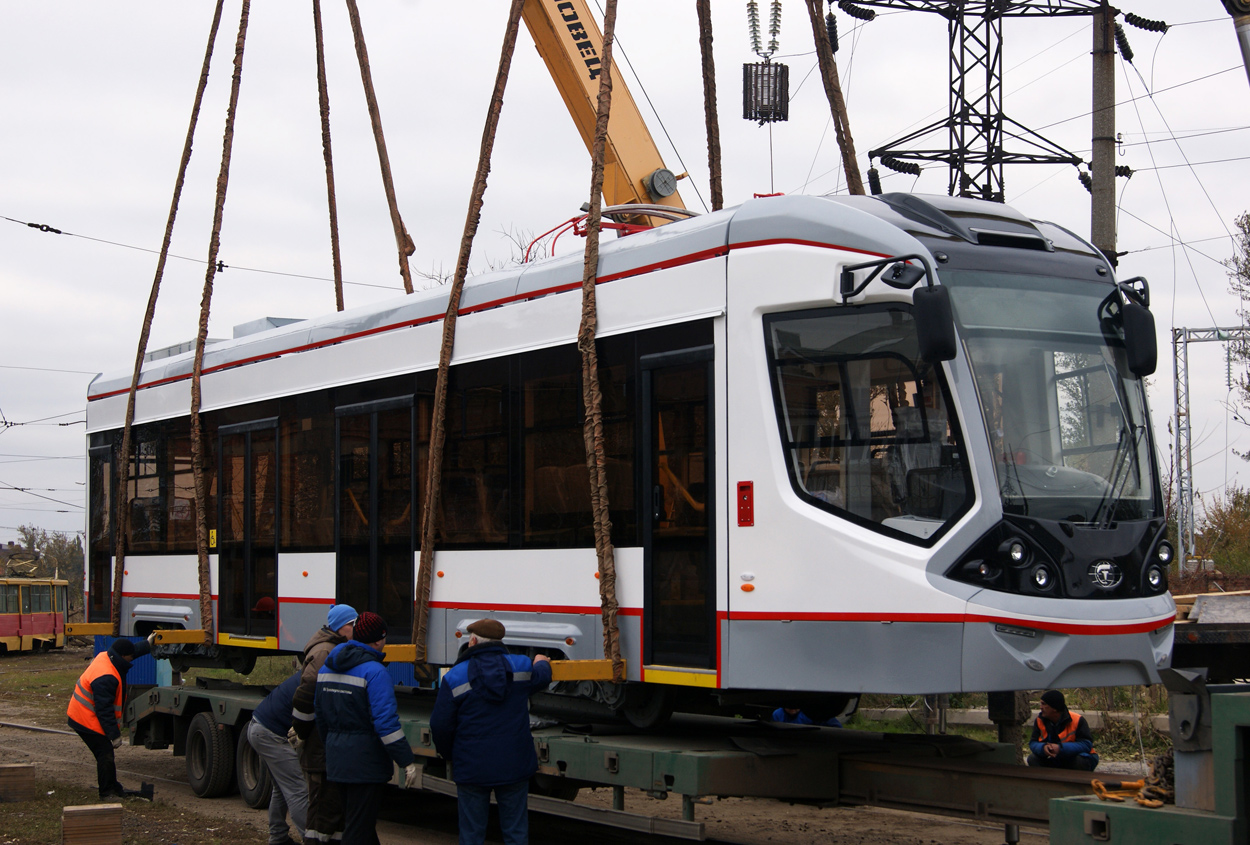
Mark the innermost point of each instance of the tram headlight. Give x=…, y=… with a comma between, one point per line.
x=1014, y=551
x=1042, y=577
x=1165, y=553
x=1155, y=579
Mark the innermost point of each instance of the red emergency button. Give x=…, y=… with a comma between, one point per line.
x=746, y=504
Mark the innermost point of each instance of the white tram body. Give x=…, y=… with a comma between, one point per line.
x=800, y=503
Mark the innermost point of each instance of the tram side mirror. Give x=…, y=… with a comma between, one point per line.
x=935, y=327
x=1140, y=343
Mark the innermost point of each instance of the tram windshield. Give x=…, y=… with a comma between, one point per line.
x=1066, y=418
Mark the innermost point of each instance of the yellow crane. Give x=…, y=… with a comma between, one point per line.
x=569, y=41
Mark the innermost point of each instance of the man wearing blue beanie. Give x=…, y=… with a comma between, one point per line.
x=325, y=804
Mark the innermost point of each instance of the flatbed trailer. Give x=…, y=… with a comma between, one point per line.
x=696, y=758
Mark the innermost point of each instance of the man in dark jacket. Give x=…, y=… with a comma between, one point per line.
x=325, y=804
x=358, y=721
x=481, y=727
x=1061, y=739
x=95, y=709
x=267, y=734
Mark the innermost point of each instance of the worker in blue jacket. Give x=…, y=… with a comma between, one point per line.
x=358, y=720
x=481, y=727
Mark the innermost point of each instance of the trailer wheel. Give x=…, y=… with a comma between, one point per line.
x=210, y=757
x=255, y=782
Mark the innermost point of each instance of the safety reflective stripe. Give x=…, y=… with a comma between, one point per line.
x=521, y=676
x=335, y=678
x=392, y=737
x=1068, y=734
x=302, y=716
x=460, y=690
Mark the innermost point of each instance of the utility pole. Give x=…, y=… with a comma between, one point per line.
x=1240, y=10
x=1102, y=164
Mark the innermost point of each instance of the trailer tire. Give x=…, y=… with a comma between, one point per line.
x=210, y=757
x=255, y=782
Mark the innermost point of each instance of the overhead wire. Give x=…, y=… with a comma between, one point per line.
x=1171, y=217
x=221, y=265
x=618, y=46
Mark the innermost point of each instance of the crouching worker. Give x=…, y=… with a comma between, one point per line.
x=481, y=727
x=95, y=709
x=1061, y=739
x=267, y=734
x=358, y=720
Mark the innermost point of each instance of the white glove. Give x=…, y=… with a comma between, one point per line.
x=117, y=742
x=412, y=776
x=293, y=738
x=152, y=639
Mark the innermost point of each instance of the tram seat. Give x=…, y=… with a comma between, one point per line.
x=824, y=481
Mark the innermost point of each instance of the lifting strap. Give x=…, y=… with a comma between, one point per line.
x=402, y=240
x=201, y=337
x=122, y=467
x=833, y=90
x=704, y=9
x=596, y=461
x=323, y=97
x=438, y=424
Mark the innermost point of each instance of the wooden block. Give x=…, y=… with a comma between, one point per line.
x=92, y=824
x=582, y=670
x=88, y=629
x=193, y=636
x=17, y=782
x=399, y=653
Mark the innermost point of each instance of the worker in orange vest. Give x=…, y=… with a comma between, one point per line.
x=95, y=709
x=1061, y=738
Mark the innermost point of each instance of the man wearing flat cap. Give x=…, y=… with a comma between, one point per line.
x=481, y=727
x=1061, y=738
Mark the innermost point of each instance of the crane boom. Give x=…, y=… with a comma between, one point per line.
x=569, y=41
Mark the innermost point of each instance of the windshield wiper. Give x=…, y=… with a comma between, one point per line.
x=1119, y=475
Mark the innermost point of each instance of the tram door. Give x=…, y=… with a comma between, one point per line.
x=679, y=612
x=375, y=513
x=247, y=529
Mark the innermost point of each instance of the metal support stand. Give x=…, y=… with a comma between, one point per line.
x=687, y=808
x=1011, y=834
x=618, y=798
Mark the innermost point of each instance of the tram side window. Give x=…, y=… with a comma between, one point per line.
x=556, y=487
x=41, y=598
x=307, y=489
x=99, y=528
x=143, y=492
x=864, y=422
x=179, y=482
x=12, y=600
x=26, y=600
x=474, y=506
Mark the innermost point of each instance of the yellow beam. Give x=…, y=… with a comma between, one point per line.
x=179, y=635
x=399, y=653
x=582, y=670
x=571, y=45
x=89, y=629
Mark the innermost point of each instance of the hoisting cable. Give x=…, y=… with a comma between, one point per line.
x=434, y=471
x=201, y=337
x=833, y=90
x=323, y=97
x=596, y=461
x=704, y=8
x=402, y=240
x=120, y=477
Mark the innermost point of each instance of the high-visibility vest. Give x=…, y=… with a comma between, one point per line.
x=82, y=702
x=1068, y=734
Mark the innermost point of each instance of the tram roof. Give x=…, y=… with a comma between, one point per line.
x=887, y=225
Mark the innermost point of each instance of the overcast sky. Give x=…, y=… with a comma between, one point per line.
x=95, y=99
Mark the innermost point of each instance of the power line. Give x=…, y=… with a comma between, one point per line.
x=43, y=227
x=1151, y=94
x=48, y=369
x=29, y=492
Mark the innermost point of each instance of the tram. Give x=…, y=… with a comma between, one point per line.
x=893, y=444
x=33, y=612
